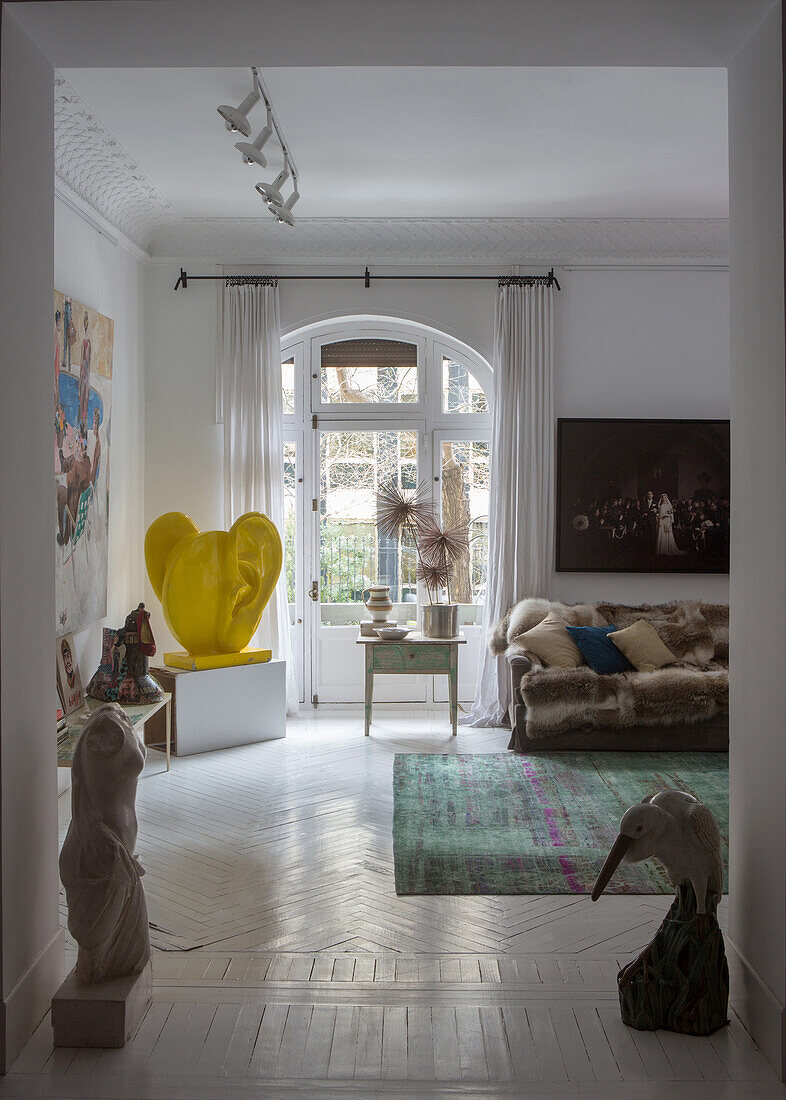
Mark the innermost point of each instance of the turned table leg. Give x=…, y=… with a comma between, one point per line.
x=369, y=684
x=453, y=685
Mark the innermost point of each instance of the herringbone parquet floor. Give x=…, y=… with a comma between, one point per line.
x=283, y=955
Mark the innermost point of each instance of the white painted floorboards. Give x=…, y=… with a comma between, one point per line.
x=311, y=978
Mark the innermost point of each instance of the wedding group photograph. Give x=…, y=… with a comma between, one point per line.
x=643, y=496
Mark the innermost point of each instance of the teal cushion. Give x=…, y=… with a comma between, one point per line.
x=598, y=650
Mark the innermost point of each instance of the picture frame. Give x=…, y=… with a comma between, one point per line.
x=69, y=681
x=642, y=495
x=82, y=432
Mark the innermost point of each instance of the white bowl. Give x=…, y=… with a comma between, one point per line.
x=392, y=633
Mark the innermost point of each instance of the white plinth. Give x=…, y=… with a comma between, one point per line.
x=219, y=708
x=104, y=1015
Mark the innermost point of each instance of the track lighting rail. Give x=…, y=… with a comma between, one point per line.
x=263, y=280
x=276, y=125
x=236, y=121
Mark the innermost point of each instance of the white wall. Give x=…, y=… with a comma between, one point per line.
x=103, y=275
x=643, y=343
x=32, y=942
x=757, y=906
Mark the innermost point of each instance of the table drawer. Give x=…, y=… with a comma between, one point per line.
x=411, y=658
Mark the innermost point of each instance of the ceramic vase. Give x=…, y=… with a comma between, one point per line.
x=378, y=602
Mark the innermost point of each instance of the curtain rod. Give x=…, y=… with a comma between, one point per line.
x=273, y=280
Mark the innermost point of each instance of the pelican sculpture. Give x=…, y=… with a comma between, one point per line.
x=680, y=980
x=681, y=833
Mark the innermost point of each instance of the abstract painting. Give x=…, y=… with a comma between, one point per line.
x=643, y=496
x=83, y=340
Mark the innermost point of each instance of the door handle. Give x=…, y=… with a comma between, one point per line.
x=313, y=592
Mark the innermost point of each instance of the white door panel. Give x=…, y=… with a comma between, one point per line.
x=460, y=463
x=352, y=461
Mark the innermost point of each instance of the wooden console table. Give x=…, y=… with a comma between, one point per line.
x=137, y=712
x=413, y=655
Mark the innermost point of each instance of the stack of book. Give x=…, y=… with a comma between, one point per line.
x=62, y=722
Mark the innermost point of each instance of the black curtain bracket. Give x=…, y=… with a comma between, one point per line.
x=250, y=280
x=529, y=280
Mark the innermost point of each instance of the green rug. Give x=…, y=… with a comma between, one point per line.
x=499, y=823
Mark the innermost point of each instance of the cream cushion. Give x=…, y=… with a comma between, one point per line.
x=642, y=646
x=550, y=641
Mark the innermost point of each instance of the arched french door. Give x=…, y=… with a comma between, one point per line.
x=367, y=399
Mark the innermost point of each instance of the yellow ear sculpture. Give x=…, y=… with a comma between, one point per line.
x=213, y=585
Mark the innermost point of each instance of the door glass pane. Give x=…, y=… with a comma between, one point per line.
x=288, y=385
x=461, y=391
x=465, y=499
x=290, y=522
x=353, y=464
x=366, y=372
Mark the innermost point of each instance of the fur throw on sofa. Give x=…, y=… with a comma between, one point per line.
x=693, y=689
x=577, y=698
x=695, y=632
x=533, y=610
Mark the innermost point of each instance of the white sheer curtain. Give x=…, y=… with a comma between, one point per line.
x=521, y=511
x=250, y=404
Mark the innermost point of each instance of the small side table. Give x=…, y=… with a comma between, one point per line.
x=412, y=656
x=137, y=712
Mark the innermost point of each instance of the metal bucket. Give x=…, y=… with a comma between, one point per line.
x=440, y=620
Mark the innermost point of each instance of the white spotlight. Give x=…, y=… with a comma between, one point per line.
x=283, y=214
x=271, y=192
x=235, y=117
x=252, y=150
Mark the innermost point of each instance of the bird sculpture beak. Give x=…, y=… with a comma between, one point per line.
x=618, y=850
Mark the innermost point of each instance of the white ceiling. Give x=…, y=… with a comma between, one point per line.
x=410, y=142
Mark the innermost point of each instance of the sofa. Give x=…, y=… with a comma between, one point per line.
x=681, y=707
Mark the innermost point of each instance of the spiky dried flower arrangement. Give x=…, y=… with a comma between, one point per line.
x=438, y=549
x=438, y=544
x=434, y=576
x=400, y=509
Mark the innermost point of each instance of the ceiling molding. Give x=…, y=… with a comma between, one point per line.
x=444, y=240
x=92, y=164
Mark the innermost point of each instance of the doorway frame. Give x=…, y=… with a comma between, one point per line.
x=29, y=857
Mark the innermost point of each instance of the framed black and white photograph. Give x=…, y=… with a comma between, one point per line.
x=643, y=496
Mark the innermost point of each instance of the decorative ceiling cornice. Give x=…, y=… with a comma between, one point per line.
x=441, y=240
x=90, y=162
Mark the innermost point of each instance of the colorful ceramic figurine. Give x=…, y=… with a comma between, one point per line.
x=123, y=675
x=213, y=585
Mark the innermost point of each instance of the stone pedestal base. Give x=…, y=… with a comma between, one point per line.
x=104, y=1015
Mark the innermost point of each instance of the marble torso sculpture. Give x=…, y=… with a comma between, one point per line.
x=107, y=910
x=680, y=981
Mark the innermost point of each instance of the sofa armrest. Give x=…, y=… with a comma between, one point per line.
x=518, y=666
